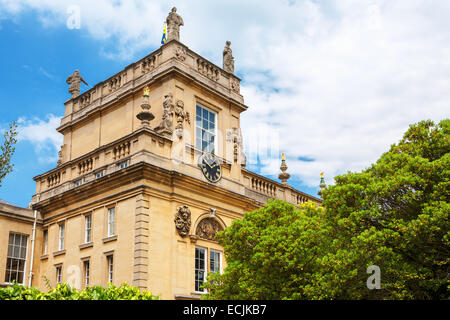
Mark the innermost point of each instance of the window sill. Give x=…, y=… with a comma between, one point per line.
x=44, y=257
x=86, y=245
x=109, y=239
x=59, y=253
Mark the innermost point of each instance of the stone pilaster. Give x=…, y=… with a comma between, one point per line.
x=141, y=242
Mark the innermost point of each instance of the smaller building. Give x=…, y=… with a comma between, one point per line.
x=16, y=239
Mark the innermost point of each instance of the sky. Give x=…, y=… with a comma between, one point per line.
x=332, y=84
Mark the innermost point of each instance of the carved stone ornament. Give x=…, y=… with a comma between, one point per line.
x=207, y=229
x=234, y=136
x=180, y=53
x=183, y=220
x=181, y=117
x=60, y=155
x=234, y=84
x=165, y=127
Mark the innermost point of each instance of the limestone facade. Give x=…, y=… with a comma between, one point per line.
x=116, y=206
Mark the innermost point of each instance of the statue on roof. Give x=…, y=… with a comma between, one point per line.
x=75, y=80
x=174, y=21
x=228, y=59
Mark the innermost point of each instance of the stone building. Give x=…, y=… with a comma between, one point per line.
x=152, y=166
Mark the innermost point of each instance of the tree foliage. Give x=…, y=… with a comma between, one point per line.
x=7, y=150
x=65, y=292
x=393, y=215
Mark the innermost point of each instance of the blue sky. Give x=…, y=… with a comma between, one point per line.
x=334, y=82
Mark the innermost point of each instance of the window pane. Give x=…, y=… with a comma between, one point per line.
x=205, y=114
x=212, y=117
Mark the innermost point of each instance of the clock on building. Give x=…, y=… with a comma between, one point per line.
x=210, y=166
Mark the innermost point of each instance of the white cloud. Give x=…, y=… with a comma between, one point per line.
x=340, y=80
x=43, y=135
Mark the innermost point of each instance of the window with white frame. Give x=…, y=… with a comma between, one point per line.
x=111, y=221
x=99, y=174
x=215, y=261
x=61, y=237
x=203, y=265
x=110, y=262
x=16, y=258
x=58, y=274
x=87, y=271
x=45, y=241
x=87, y=228
x=205, y=129
x=200, y=268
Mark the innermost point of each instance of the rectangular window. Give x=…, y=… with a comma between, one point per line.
x=111, y=221
x=200, y=268
x=110, y=268
x=205, y=129
x=45, y=241
x=99, y=174
x=16, y=258
x=86, y=273
x=58, y=274
x=61, y=237
x=123, y=165
x=88, y=228
x=78, y=183
x=215, y=261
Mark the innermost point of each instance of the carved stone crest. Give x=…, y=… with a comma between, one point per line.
x=207, y=228
x=183, y=220
x=234, y=84
x=180, y=53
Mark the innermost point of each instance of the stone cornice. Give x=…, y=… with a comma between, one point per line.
x=140, y=172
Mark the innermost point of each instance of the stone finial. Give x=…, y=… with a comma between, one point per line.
x=75, y=80
x=173, y=21
x=145, y=115
x=283, y=176
x=322, y=184
x=228, y=59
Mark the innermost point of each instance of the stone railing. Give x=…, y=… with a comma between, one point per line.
x=208, y=69
x=53, y=179
x=121, y=150
x=261, y=188
x=85, y=166
x=148, y=63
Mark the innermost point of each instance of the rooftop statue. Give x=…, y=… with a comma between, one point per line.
x=174, y=21
x=75, y=80
x=228, y=60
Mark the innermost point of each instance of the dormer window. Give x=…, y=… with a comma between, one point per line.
x=205, y=129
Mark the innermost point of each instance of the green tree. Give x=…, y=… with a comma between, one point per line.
x=7, y=150
x=393, y=215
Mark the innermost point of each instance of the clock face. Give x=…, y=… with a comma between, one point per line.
x=210, y=167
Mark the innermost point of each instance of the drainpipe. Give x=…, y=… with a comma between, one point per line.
x=30, y=278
